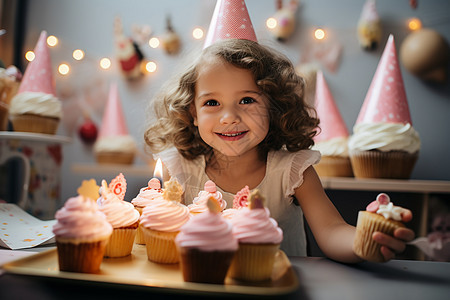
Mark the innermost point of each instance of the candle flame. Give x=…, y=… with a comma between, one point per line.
x=158, y=173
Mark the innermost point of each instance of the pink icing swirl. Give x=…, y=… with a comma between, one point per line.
x=255, y=226
x=81, y=219
x=118, y=213
x=147, y=195
x=199, y=203
x=208, y=232
x=163, y=215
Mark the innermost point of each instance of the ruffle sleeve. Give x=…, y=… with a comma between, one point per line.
x=299, y=162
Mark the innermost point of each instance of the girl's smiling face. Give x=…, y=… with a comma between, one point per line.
x=230, y=112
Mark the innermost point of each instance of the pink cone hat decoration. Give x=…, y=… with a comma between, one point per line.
x=38, y=75
x=230, y=20
x=113, y=122
x=331, y=122
x=386, y=101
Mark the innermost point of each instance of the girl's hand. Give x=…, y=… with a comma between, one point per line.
x=396, y=244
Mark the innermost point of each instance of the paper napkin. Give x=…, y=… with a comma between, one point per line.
x=20, y=230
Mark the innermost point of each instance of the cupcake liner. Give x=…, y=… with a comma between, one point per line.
x=161, y=246
x=122, y=158
x=364, y=246
x=334, y=166
x=378, y=164
x=84, y=257
x=253, y=262
x=205, y=266
x=34, y=123
x=121, y=242
x=140, y=240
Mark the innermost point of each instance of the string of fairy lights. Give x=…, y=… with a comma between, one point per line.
x=105, y=63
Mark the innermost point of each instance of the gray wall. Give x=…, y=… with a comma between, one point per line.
x=88, y=25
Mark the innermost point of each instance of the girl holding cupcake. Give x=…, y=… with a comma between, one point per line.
x=237, y=116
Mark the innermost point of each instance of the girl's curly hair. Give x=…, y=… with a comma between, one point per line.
x=292, y=122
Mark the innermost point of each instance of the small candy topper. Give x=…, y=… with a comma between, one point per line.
x=154, y=183
x=119, y=186
x=382, y=199
x=173, y=190
x=241, y=198
x=213, y=205
x=210, y=187
x=256, y=200
x=89, y=189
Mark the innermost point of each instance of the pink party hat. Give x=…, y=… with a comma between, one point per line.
x=386, y=101
x=230, y=20
x=38, y=76
x=113, y=122
x=331, y=123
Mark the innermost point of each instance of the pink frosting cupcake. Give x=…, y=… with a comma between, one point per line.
x=259, y=240
x=161, y=221
x=81, y=234
x=199, y=203
x=152, y=191
x=123, y=218
x=206, y=245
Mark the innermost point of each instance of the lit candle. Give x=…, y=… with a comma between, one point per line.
x=158, y=172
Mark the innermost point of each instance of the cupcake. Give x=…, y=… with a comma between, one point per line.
x=114, y=144
x=380, y=215
x=9, y=85
x=81, y=233
x=35, y=107
x=384, y=143
x=259, y=239
x=161, y=221
x=199, y=203
x=123, y=218
x=240, y=200
x=206, y=245
x=146, y=194
x=332, y=140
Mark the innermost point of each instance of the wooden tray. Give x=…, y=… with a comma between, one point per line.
x=137, y=270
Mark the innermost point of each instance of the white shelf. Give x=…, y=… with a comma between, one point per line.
x=127, y=170
x=386, y=185
x=39, y=137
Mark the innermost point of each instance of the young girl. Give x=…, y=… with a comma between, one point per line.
x=237, y=117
